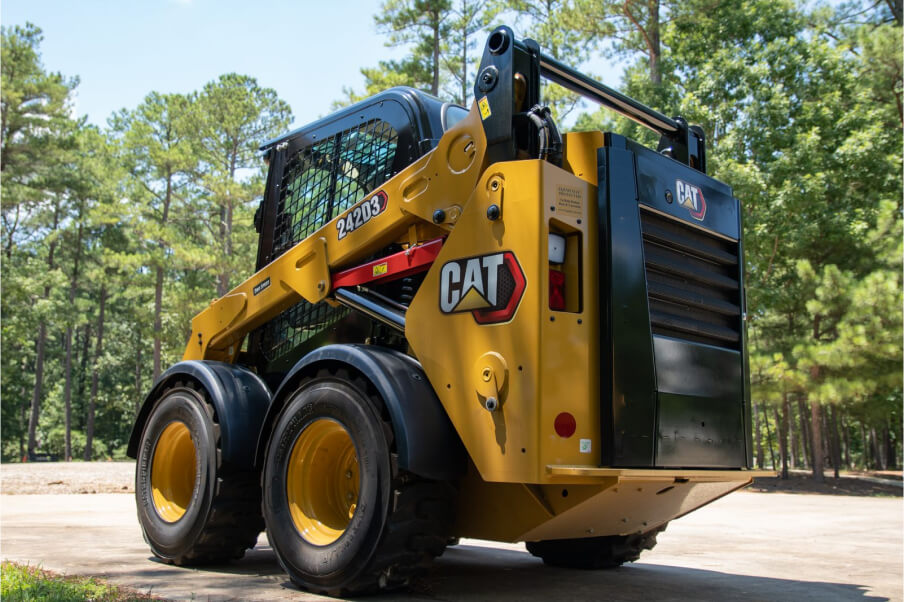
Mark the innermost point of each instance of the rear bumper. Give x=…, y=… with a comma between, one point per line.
x=573, y=473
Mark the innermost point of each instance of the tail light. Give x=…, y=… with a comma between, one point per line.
x=556, y=275
x=556, y=289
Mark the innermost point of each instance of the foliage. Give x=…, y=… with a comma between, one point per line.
x=24, y=582
x=113, y=240
x=150, y=218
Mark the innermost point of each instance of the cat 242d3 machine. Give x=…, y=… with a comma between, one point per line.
x=463, y=324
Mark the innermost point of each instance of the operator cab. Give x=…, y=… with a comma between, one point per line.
x=317, y=172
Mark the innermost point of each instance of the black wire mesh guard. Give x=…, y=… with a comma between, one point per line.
x=319, y=182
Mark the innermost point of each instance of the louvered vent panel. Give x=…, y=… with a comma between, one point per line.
x=692, y=282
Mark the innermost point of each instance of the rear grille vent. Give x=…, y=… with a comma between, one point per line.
x=692, y=282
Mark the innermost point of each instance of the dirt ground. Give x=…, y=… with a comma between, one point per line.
x=119, y=477
x=67, y=477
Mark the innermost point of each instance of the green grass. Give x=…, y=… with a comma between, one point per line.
x=24, y=582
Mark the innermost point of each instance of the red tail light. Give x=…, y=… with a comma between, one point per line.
x=556, y=290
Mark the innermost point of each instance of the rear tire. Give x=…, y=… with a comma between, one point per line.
x=340, y=516
x=191, y=508
x=594, y=552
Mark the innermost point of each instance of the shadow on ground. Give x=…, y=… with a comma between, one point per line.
x=468, y=572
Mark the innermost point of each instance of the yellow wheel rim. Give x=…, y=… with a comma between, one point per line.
x=322, y=481
x=173, y=472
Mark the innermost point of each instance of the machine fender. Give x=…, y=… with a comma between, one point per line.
x=239, y=397
x=426, y=441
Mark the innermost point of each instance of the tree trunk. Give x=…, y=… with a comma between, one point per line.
x=816, y=441
x=879, y=461
x=95, y=375
x=846, y=438
x=464, y=67
x=769, y=437
x=835, y=440
x=789, y=425
x=226, y=216
x=782, y=423
x=158, y=285
x=67, y=394
x=891, y=460
x=758, y=436
x=83, y=376
x=864, y=445
x=655, y=45
x=436, y=41
x=22, y=455
x=67, y=383
x=897, y=9
x=40, y=344
x=138, y=396
x=37, y=392
x=804, y=431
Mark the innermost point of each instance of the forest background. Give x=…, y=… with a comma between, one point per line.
x=114, y=237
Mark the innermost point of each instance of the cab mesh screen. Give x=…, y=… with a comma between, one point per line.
x=319, y=182
x=328, y=177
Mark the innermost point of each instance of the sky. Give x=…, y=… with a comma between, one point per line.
x=121, y=50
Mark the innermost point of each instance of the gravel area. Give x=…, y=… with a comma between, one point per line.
x=67, y=477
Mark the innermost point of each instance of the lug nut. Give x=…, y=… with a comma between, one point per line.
x=491, y=404
x=439, y=216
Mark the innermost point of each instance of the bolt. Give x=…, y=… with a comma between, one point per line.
x=491, y=404
x=348, y=474
x=494, y=185
x=487, y=373
x=493, y=212
x=668, y=196
x=439, y=216
x=321, y=285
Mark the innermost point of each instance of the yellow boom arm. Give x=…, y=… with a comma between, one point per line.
x=443, y=179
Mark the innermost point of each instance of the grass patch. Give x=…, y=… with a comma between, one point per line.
x=24, y=582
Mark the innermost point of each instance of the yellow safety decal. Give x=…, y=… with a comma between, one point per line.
x=484, y=106
x=380, y=269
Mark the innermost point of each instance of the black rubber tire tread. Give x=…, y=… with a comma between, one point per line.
x=419, y=521
x=594, y=552
x=234, y=519
x=416, y=532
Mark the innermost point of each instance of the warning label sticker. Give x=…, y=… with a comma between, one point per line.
x=569, y=201
x=484, y=105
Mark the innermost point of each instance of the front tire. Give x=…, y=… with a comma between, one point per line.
x=191, y=508
x=594, y=552
x=340, y=516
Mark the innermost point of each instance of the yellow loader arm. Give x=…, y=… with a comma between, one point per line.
x=401, y=210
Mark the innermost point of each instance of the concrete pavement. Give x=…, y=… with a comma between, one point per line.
x=746, y=546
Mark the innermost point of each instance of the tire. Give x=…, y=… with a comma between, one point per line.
x=340, y=516
x=594, y=552
x=192, y=510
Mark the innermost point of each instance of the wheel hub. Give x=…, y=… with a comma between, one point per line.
x=173, y=472
x=322, y=481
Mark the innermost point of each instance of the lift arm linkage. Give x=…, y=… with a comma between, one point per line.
x=443, y=179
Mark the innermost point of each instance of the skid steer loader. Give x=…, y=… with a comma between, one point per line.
x=463, y=324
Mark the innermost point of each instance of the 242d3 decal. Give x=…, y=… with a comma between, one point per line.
x=488, y=286
x=361, y=213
